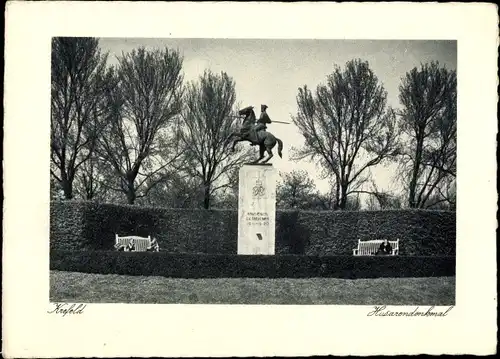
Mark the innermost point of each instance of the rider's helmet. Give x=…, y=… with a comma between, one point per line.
x=263, y=107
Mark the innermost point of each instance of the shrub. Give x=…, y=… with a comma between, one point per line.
x=229, y=266
x=66, y=225
x=92, y=226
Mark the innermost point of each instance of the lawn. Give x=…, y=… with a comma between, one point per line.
x=111, y=288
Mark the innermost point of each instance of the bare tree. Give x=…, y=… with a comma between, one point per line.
x=79, y=82
x=94, y=179
x=347, y=126
x=178, y=191
x=296, y=190
x=206, y=126
x=140, y=145
x=428, y=119
x=326, y=201
x=383, y=200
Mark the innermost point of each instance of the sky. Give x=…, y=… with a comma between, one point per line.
x=270, y=72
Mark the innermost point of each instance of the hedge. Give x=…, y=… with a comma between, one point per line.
x=230, y=266
x=92, y=226
x=66, y=225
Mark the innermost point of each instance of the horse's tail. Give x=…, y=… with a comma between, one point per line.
x=280, y=147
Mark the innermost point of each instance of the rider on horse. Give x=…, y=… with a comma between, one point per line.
x=254, y=131
x=260, y=125
x=263, y=119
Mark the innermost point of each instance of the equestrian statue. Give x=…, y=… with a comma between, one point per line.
x=254, y=131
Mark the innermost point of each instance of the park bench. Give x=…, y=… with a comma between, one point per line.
x=370, y=248
x=136, y=244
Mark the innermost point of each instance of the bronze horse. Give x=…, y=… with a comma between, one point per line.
x=264, y=139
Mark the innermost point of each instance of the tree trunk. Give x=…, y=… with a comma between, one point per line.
x=67, y=187
x=206, y=197
x=343, y=196
x=131, y=196
x=336, y=205
x=412, y=203
x=89, y=191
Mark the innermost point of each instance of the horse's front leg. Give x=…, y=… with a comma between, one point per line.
x=261, y=154
x=270, y=155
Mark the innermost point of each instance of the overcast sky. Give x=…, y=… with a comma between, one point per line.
x=270, y=72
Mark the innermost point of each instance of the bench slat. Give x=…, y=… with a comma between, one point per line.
x=366, y=248
x=136, y=243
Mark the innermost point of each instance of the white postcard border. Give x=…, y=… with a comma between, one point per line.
x=214, y=330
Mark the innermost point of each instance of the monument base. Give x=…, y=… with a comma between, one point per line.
x=257, y=209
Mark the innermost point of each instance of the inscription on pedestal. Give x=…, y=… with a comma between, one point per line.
x=257, y=219
x=256, y=210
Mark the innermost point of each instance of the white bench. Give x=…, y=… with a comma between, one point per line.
x=136, y=244
x=370, y=248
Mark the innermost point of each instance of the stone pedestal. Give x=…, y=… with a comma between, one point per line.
x=257, y=209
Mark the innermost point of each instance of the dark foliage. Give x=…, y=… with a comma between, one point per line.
x=92, y=226
x=234, y=266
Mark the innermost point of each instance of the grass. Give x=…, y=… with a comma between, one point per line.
x=100, y=288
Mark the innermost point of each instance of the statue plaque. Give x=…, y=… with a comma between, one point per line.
x=257, y=209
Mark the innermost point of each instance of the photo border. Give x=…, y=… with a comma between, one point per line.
x=107, y=330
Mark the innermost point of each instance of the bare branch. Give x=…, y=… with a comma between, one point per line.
x=146, y=103
x=206, y=125
x=78, y=83
x=345, y=121
x=428, y=95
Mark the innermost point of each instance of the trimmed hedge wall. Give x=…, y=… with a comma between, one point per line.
x=92, y=226
x=66, y=226
x=230, y=266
